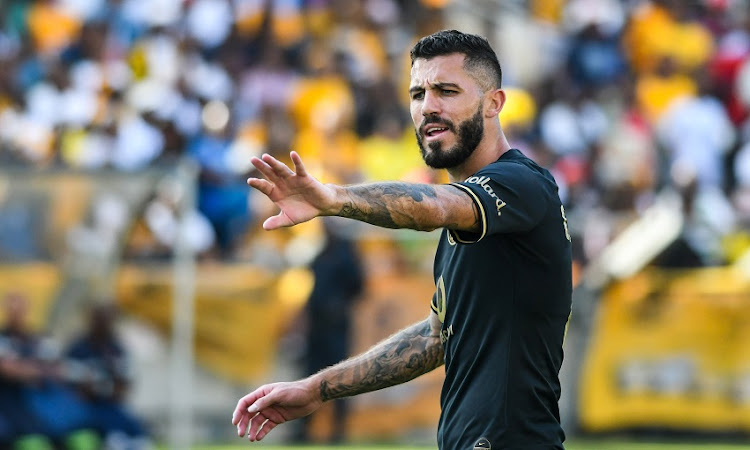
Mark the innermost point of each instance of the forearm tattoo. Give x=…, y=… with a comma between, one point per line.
x=404, y=356
x=382, y=204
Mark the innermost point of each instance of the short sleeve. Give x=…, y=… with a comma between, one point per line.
x=434, y=303
x=508, y=201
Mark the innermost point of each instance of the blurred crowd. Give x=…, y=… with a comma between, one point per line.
x=621, y=99
x=64, y=398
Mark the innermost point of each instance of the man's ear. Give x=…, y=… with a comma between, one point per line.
x=496, y=102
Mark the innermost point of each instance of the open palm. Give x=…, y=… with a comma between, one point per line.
x=299, y=196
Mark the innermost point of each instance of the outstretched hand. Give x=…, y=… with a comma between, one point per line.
x=299, y=196
x=262, y=410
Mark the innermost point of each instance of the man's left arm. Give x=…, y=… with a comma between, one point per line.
x=423, y=207
x=300, y=197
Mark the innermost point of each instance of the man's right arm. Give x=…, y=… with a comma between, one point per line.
x=404, y=356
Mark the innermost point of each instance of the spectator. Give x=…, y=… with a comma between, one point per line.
x=100, y=371
x=37, y=408
x=16, y=420
x=657, y=91
x=709, y=218
x=595, y=58
x=697, y=130
x=573, y=122
x=209, y=22
x=662, y=29
x=163, y=218
x=222, y=192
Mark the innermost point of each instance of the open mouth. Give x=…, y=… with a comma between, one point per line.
x=434, y=131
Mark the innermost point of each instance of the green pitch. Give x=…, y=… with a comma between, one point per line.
x=574, y=445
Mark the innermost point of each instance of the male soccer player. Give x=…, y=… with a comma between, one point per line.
x=502, y=269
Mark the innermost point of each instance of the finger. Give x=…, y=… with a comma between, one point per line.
x=264, y=186
x=263, y=397
x=256, y=425
x=280, y=220
x=239, y=410
x=243, y=423
x=267, y=427
x=243, y=403
x=299, y=168
x=278, y=167
x=264, y=422
x=265, y=169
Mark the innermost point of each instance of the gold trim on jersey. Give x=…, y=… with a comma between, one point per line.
x=479, y=204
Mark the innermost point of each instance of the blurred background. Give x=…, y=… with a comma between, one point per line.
x=141, y=297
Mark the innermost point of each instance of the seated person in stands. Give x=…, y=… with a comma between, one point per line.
x=100, y=362
x=37, y=409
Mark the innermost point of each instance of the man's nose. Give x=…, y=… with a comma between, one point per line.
x=430, y=104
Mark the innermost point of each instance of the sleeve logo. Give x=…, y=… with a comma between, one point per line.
x=484, y=183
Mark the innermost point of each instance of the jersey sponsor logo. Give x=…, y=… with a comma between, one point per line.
x=484, y=183
x=446, y=334
x=483, y=444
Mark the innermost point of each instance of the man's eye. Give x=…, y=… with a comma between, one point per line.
x=448, y=91
x=417, y=96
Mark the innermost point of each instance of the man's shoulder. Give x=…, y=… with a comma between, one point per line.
x=512, y=173
x=512, y=163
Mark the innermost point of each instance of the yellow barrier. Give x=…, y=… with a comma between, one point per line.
x=670, y=350
x=238, y=313
x=39, y=282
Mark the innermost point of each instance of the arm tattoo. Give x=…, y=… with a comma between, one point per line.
x=383, y=204
x=404, y=356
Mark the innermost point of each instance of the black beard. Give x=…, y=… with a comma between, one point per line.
x=470, y=133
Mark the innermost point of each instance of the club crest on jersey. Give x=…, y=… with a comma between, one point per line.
x=484, y=182
x=440, y=305
x=440, y=299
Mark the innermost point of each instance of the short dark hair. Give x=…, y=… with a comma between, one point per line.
x=480, y=57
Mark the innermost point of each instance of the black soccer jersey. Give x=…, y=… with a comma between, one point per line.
x=503, y=296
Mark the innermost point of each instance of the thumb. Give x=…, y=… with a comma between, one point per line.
x=277, y=221
x=263, y=403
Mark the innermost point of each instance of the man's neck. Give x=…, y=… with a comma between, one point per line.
x=485, y=154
